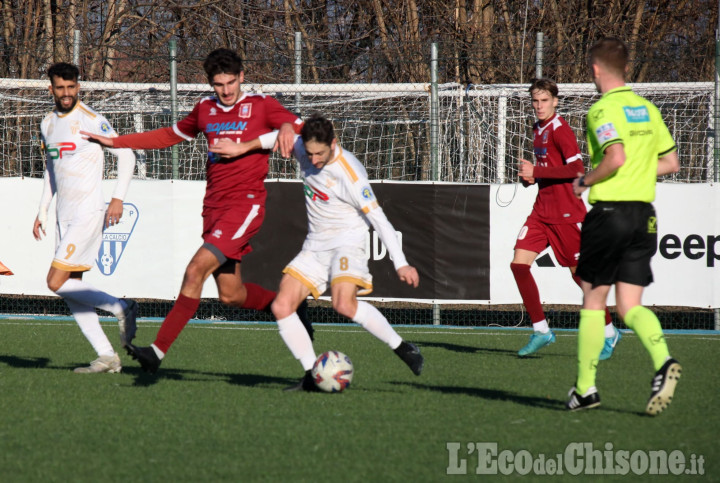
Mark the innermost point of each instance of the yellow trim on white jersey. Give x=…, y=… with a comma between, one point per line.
x=67, y=267
x=304, y=280
x=348, y=169
x=364, y=287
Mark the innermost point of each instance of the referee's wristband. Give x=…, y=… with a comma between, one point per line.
x=581, y=182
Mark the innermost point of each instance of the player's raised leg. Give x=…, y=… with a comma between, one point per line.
x=203, y=263
x=233, y=291
x=345, y=302
x=82, y=298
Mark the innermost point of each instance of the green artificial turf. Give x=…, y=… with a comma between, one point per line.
x=216, y=410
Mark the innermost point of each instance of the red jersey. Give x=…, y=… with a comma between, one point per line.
x=239, y=179
x=557, y=163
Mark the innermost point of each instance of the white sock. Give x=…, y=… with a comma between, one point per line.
x=609, y=330
x=85, y=294
x=160, y=354
x=87, y=319
x=541, y=326
x=374, y=322
x=297, y=340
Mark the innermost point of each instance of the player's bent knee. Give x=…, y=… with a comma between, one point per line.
x=345, y=308
x=233, y=300
x=54, y=286
x=281, y=308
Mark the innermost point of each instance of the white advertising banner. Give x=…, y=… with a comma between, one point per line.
x=146, y=254
x=686, y=267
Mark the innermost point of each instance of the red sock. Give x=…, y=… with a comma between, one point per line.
x=258, y=298
x=175, y=321
x=608, y=317
x=528, y=291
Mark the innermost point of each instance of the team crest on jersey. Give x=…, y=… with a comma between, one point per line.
x=105, y=127
x=545, y=136
x=245, y=110
x=367, y=193
x=75, y=127
x=115, y=239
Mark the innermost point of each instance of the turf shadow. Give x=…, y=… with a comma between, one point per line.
x=465, y=348
x=144, y=379
x=500, y=395
x=252, y=380
x=25, y=362
x=493, y=394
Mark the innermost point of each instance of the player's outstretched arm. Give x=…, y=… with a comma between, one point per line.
x=226, y=148
x=96, y=138
x=409, y=275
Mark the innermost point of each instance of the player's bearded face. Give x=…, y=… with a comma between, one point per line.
x=227, y=87
x=65, y=93
x=319, y=153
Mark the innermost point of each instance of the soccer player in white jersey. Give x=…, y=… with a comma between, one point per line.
x=340, y=206
x=74, y=172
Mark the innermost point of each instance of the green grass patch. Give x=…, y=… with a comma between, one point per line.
x=216, y=410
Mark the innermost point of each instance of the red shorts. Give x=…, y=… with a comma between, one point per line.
x=536, y=236
x=230, y=229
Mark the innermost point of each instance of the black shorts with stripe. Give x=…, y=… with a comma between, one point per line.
x=617, y=241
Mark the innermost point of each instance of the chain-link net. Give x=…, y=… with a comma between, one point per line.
x=503, y=119
x=483, y=130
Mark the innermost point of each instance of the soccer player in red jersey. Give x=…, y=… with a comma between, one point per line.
x=557, y=213
x=234, y=204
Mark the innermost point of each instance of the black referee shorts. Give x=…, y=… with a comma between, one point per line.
x=617, y=241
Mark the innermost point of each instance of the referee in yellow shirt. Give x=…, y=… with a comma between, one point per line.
x=630, y=146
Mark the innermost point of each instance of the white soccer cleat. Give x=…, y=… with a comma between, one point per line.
x=110, y=364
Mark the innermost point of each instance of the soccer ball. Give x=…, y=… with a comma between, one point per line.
x=332, y=371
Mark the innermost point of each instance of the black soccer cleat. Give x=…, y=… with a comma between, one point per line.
x=577, y=401
x=411, y=356
x=302, y=313
x=663, y=387
x=306, y=384
x=149, y=361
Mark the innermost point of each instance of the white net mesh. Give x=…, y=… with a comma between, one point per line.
x=505, y=118
x=482, y=130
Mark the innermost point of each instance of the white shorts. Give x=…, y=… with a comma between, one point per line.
x=77, y=242
x=315, y=269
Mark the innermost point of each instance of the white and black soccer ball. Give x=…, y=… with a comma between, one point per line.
x=333, y=371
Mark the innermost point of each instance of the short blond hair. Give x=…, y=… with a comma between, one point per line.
x=611, y=53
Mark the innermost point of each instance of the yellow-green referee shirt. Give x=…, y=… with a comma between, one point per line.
x=621, y=116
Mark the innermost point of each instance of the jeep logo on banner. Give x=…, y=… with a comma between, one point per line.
x=115, y=239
